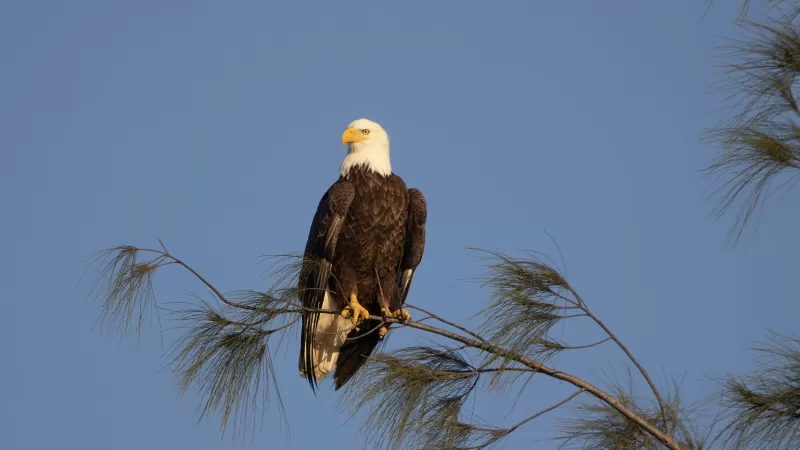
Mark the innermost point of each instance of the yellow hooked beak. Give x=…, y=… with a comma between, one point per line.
x=351, y=135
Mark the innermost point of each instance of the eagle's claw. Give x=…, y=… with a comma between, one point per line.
x=355, y=310
x=401, y=314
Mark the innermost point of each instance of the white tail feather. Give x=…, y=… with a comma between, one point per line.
x=329, y=336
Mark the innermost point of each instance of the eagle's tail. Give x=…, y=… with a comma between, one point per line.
x=354, y=352
x=329, y=334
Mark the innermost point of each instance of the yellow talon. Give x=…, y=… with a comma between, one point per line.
x=358, y=311
x=403, y=315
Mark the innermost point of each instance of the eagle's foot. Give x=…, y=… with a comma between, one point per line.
x=401, y=314
x=355, y=310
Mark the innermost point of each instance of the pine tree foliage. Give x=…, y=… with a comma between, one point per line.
x=125, y=285
x=414, y=395
x=225, y=350
x=764, y=407
x=597, y=426
x=526, y=300
x=760, y=143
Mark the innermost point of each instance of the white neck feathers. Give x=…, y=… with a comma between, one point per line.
x=374, y=158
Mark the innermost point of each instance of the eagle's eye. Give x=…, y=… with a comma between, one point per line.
x=365, y=131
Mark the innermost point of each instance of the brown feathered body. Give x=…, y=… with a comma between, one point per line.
x=367, y=238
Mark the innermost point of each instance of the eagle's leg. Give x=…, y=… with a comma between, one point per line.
x=355, y=309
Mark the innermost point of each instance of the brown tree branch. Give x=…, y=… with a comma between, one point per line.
x=481, y=344
x=454, y=325
x=580, y=383
x=166, y=254
x=200, y=277
x=601, y=395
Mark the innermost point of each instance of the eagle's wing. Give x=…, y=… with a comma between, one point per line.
x=316, y=269
x=413, y=247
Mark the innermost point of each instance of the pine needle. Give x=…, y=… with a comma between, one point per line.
x=415, y=396
x=764, y=408
x=762, y=140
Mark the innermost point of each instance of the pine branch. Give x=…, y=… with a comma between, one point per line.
x=414, y=394
x=599, y=426
x=580, y=347
x=608, y=399
x=125, y=283
x=762, y=141
x=528, y=298
x=546, y=410
x=447, y=322
x=226, y=361
x=167, y=255
x=764, y=408
x=526, y=302
x=226, y=352
x=661, y=404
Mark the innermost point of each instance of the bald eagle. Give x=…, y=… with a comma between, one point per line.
x=366, y=241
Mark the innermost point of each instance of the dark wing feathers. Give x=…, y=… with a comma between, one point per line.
x=316, y=269
x=362, y=341
x=413, y=246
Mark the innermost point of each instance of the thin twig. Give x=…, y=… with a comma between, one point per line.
x=455, y=374
x=374, y=329
x=578, y=347
x=211, y=286
x=452, y=324
x=662, y=405
x=219, y=295
x=578, y=305
x=282, y=327
x=573, y=316
x=546, y=410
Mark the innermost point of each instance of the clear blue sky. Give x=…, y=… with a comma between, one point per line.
x=216, y=126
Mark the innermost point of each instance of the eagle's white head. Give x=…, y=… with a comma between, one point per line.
x=367, y=145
